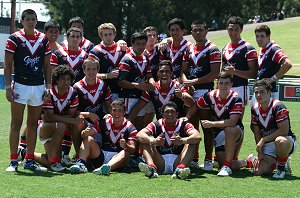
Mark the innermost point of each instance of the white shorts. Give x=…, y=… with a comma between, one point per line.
x=270, y=149
x=28, y=95
x=274, y=95
x=220, y=138
x=130, y=102
x=200, y=92
x=169, y=163
x=243, y=92
x=149, y=108
x=44, y=141
x=108, y=155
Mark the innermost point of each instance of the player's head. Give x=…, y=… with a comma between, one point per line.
x=138, y=41
x=117, y=109
x=170, y=112
x=165, y=71
x=224, y=81
x=28, y=12
x=262, y=35
x=76, y=22
x=234, y=28
x=176, y=28
x=262, y=90
x=152, y=34
x=62, y=73
x=235, y=20
x=176, y=21
x=107, y=33
x=74, y=36
x=90, y=68
x=199, y=30
x=52, y=30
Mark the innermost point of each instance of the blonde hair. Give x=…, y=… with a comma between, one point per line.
x=104, y=26
x=90, y=60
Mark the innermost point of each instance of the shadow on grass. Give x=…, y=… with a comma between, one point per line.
x=286, y=178
x=41, y=174
x=243, y=173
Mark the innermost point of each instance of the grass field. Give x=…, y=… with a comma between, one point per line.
x=134, y=184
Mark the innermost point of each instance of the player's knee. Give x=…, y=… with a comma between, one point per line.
x=231, y=132
x=16, y=126
x=280, y=141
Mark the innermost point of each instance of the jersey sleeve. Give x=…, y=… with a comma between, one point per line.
x=202, y=102
x=94, y=54
x=188, y=127
x=145, y=96
x=237, y=107
x=11, y=44
x=48, y=50
x=75, y=101
x=48, y=104
x=251, y=54
x=152, y=128
x=108, y=94
x=253, y=117
x=54, y=59
x=132, y=132
x=215, y=55
x=279, y=57
x=281, y=113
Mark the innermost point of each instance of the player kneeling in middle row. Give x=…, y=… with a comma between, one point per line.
x=118, y=143
x=172, y=147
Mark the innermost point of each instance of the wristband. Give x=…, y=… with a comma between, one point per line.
x=275, y=77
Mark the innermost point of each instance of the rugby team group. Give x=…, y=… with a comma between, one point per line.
x=103, y=99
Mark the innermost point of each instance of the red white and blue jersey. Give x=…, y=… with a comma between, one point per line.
x=91, y=97
x=200, y=60
x=29, y=52
x=239, y=55
x=133, y=69
x=72, y=58
x=159, y=128
x=175, y=55
x=61, y=104
x=267, y=119
x=109, y=59
x=160, y=97
x=222, y=109
x=112, y=134
x=269, y=62
x=85, y=44
x=153, y=58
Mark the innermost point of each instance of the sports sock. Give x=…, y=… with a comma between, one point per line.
x=281, y=162
x=23, y=141
x=226, y=163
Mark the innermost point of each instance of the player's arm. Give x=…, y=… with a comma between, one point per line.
x=184, y=69
x=211, y=76
x=129, y=146
x=193, y=137
x=285, y=67
x=248, y=74
x=94, y=117
x=256, y=132
x=231, y=122
x=50, y=116
x=8, y=62
x=143, y=136
x=283, y=129
x=47, y=70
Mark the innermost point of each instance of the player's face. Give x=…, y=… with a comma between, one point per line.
x=262, y=39
x=29, y=22
x=199, y=32
x=74, y=39
x=164, y=74
x=152, y=37
x=170, y=115
x=64, y=82
x=261, y=94
x=224, y=85
x=176, y=32
x=117, y=112
x=234, y=32
x=77, y=25
x=139, y=46
x=90, y=71
x=52, y=34
x=107, y=36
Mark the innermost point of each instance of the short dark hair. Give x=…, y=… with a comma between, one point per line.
x=235, y=20
x=263, y=28
x=118, y=102
x=150, y=28
x=28, y=12
x=138, y=36
x=92, y=60
x=264, y=83
x=165, y=63
x=59, y=71
x=51, y=24
x=225, y=75
x=199, y=22
x=170, y=104
x=73, y=29
x=176, y=21
x=76, y=19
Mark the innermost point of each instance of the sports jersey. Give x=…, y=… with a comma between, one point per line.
x=153, y=58
x=159, y=128
x=85, y=44
x=133, y=69
x=267, y=119
x=222, y=109
x=200, y=59
x=29, y=52
x=160, y=97
x=61, y=104
x=91, y=97
x=109, y=58
x=112, y=134
x=239, y=55
x=175, y=55
x=269, y=62
x=72, y=58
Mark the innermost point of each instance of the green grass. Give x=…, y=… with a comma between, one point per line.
x=286, y=35
x=135, y=184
